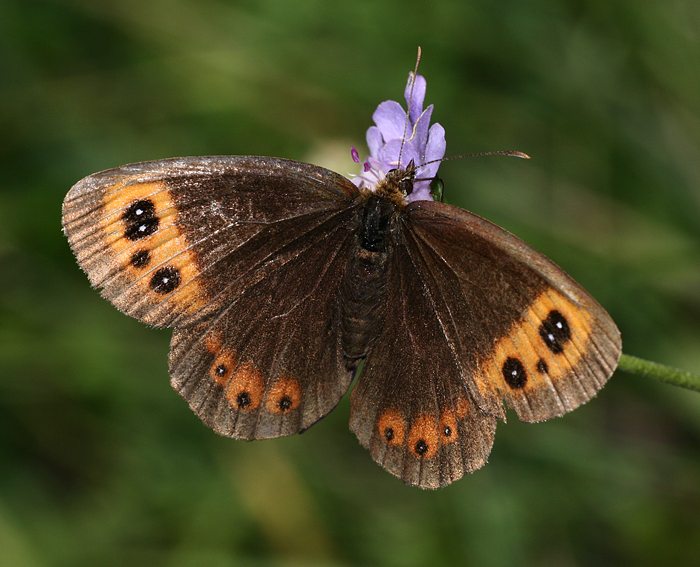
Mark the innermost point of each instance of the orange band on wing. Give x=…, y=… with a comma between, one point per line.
x=423, y=437
x=284, y=396
x=546, y=344
x=391, y=427
x=139, y=224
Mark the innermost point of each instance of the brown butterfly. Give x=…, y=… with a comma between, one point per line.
x=282, y=279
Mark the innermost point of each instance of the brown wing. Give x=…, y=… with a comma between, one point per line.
x=475, y=317
x=271, y=362
x=412, y=407
x=172, y=241
x=243, y=255
x=523, y=330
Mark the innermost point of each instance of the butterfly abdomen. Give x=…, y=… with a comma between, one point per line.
x=364, y=286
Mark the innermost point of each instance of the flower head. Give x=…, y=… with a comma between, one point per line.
x=414, y=140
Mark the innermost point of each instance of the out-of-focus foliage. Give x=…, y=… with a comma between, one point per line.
x=101, y=463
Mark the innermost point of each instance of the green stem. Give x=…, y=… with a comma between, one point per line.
x=641, y=367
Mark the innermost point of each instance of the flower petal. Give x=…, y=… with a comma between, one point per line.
x=434, y=150
x=420, y=134
x=374, y=140
x=390, y=118
x=421, y=192
x=414, y=100
x=389, y=156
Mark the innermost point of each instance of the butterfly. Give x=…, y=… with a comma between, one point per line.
x=283, y=282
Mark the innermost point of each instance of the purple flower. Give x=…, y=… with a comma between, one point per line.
x=422, y=143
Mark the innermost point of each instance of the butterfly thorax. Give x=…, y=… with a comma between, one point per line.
x=376, y=222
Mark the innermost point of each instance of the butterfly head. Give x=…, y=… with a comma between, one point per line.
x=403, y=179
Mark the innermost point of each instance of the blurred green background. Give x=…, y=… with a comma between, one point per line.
x=101, y=463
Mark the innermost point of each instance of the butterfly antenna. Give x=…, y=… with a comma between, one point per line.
x=408, y=106
x=499, y=153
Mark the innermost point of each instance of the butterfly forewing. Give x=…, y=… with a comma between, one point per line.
x=172, y=241
x=522, y=329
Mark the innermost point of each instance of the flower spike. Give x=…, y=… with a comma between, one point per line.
x=400, y=136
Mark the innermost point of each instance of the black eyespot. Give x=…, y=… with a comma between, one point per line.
x=285, y=403
x=136, y=231
x=221, y=370
x=389, y=433
x=555, y=331
x=139, y=210
x=514, y=373
x=447, y=431
x=165, y=280
x=542, y=367
x=140, y=258
x=421, y=447
x=243, y=399
x=140, y=219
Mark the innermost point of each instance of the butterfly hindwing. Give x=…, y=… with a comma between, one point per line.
x=172, y=241
x=271, y=362
x=411, y=407
x=524, y=330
